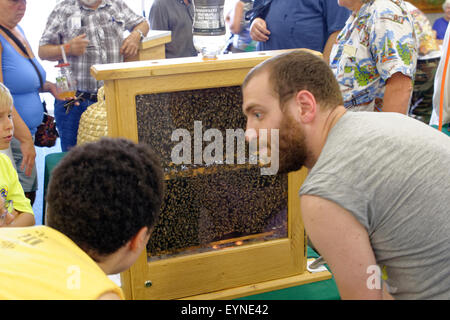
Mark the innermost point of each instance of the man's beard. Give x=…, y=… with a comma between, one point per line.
x=292, y=147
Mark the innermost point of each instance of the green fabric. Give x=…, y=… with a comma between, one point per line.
x=321, y=290
x=51, y=160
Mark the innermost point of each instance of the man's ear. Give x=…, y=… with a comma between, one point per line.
x=140, y=239
x=306, y=106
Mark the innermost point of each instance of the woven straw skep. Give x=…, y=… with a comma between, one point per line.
x=93, y=122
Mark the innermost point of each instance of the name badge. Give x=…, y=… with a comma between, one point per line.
x=75, y=22
x=349, y=50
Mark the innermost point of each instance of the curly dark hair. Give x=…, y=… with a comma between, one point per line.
x=101, y=194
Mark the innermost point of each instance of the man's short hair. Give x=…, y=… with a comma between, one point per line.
x=102, y=193
x=299, y=70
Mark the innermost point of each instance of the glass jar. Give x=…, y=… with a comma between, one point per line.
x=65, y=83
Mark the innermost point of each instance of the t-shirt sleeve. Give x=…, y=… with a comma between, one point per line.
x=335, y=16
x=393, y=44
x=158, y=17
x=14, y=188
x=440, y=26
x=330, y=187
x=132, y=19
x=52, y=31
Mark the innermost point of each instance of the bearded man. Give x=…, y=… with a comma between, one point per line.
x=375, y=201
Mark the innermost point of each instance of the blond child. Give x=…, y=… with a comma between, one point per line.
x=15, y=208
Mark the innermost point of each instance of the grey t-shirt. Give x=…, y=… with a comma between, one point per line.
x=175, y=16
x=393, y=174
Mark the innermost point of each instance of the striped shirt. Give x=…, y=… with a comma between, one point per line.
x=104, y=28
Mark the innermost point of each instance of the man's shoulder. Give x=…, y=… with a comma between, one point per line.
x=163, y=3
x=440, y=21
x=66, y=6
x=163, y=6
x=386, y=7
x=66, y=3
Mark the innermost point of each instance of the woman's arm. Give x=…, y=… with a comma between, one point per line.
x=51, y=88
x=23, y=134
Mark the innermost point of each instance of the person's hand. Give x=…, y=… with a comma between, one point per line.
x=259, y=31
x=28, y=156
x=3, y=211
x=6, y=220
x=77, y=46
x=423, y=50
x=51, y=87
x=5, y=217
x=130, y=45
x=55, y=91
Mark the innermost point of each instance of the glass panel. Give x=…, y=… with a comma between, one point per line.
x=211, y=203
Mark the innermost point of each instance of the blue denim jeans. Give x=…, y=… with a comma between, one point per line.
x=67, y=124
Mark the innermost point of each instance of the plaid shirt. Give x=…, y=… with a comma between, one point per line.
x=104, y=28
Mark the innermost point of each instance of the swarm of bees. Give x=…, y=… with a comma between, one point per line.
x=207, y=203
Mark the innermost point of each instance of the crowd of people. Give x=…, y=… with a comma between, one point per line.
x=358, y=186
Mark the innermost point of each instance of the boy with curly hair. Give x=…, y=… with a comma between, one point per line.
x=103, y=202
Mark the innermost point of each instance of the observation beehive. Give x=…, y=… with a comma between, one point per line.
x=208, y=206
x=225, y=229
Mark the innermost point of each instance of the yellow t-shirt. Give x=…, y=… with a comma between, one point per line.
x=42, y=263
x=10, y=187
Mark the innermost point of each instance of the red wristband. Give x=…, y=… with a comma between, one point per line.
x=66, y=47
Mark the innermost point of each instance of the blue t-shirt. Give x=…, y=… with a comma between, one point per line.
x=440, y=25
x=20, y=77
x=302, y=23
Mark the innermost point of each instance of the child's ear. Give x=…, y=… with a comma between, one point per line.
x=140, y=240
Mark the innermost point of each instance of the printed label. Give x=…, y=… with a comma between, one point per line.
x=209, y=19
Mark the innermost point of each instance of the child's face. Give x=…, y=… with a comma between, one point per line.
x=6, y=126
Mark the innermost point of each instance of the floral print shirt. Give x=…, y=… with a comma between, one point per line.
x=376, y=42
